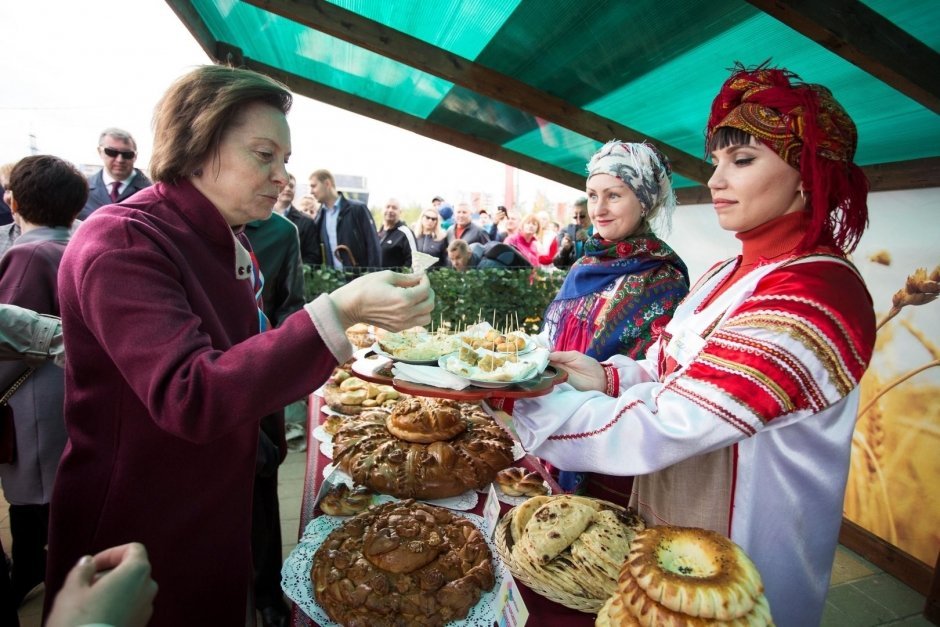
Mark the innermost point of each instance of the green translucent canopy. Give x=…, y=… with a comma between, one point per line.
x=542, y=83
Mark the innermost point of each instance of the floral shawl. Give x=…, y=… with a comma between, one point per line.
x=617, y=297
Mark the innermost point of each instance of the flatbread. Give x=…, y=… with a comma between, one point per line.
x=553, y=527
x=522, y=514
x=556, y=575
x=608, y=538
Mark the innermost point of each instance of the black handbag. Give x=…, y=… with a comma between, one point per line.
x=7, y=427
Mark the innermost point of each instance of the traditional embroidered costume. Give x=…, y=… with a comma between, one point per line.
x=740, y=419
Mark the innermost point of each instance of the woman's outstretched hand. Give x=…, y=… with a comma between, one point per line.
x=389, y=300
x=584, y=373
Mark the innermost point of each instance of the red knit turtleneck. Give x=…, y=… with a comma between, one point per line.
x=771, y=241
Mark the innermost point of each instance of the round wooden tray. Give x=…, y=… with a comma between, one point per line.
x=379, y=370
x=502, y=540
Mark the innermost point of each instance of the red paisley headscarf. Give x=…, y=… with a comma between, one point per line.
x=808, y=129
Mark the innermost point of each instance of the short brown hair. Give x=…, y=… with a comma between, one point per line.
x=323, y=175
x=47, y=190
x=198, y=108
x=459, y=246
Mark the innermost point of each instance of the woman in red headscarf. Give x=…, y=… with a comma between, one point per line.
x=740, y=418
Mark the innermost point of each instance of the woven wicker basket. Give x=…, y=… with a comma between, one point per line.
x=502, y=539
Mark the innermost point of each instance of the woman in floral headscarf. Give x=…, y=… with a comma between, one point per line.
x=623, y=290
x=620, y=294
x=740, y=418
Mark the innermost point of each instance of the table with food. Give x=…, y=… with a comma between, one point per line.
x=408, y=459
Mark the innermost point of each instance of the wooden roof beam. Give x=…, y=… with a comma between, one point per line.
x=388, y=42
x=866, y=39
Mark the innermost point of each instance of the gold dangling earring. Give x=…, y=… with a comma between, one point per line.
x=802, y=196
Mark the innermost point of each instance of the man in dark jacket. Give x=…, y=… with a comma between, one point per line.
x=572, y=237
x=348, y=237
x=464, y=229
x=118, y=179
x=465, y=256
x=395, y=239
x=276, y=247
x=306, y=228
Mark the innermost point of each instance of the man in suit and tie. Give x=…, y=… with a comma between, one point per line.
x=118, y=179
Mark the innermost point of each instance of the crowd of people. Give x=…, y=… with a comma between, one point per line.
x=143, y=486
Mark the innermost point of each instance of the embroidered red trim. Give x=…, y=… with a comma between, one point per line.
x=613, y=380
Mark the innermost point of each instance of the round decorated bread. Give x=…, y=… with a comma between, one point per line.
x=690, y=576
x=424, y=421
x=402, y=563
x=632, y=604
x=425, y=448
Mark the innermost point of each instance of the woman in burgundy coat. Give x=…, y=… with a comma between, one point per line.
x=168, y=370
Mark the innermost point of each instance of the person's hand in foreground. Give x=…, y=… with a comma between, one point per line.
x=389, y=300
x=113, y=588
x=584, y=373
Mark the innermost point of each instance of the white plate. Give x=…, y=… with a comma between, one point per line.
x=366, y=367
x=326, y=409
x=295, y=574
x=340, y=477
x=420, y=362
x=482, y=383
x=321, y=435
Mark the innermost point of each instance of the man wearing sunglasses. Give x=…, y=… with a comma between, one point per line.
x=118, y=179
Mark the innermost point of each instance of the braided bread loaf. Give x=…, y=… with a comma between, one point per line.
x=402, y=563
x=516, y=481
x=447, y=449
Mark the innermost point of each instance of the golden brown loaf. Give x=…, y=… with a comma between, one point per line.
x=351, y=395
x=343, y=501
x=687, y=576
x=367, y=450
x=515, y=481
x=425, y=420
x=402, y=563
